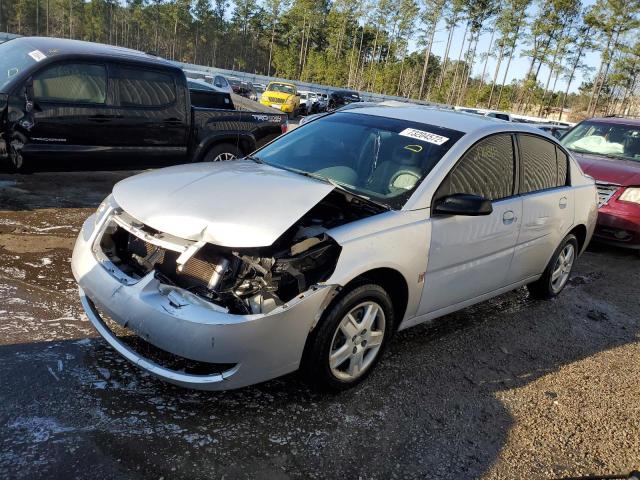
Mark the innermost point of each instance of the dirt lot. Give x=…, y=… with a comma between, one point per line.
x=512, y=388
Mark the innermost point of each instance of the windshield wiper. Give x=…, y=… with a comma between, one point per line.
x=344, y=189
x=254, y=159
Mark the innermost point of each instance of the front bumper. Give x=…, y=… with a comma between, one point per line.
x=260, y=347
x=619, y=224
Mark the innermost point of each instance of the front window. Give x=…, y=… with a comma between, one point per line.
x=379, y=158
x=603, y=138
x=71, y=83
x=281, y=87
x=15, y=57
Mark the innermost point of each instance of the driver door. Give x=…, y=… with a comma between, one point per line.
x=470, y=256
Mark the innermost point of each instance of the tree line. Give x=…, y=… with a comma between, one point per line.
x=382, y=46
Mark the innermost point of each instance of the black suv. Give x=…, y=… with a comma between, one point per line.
x=340, y=98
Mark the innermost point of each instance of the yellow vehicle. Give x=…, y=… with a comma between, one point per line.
x=283, y=96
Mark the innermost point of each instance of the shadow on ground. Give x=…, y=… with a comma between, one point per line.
x=75, y=409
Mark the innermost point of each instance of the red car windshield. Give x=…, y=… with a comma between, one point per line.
x=613, y=140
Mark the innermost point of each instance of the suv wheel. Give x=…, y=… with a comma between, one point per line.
x=349, y=340
x=558, y=271
x=222, y=152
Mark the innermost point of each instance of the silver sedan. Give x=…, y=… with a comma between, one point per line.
x=311, y=253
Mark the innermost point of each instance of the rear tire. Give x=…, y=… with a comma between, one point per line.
x=556, y=275
x=222, y=152
x=350, y=338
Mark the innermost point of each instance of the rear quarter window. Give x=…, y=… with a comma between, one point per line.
x=541, y=169
x=144, y=88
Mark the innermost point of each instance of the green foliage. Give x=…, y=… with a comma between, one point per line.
x=382, y=46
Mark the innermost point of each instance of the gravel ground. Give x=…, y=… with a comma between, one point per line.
x=512, y=388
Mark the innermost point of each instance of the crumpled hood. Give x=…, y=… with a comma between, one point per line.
x=233, y=204
x=610, y=170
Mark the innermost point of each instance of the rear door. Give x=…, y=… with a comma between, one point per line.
x=470, y=256
x=70, y=104
x=152, y=113
x=548, y=208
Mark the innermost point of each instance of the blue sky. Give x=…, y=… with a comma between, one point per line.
x=519, y=65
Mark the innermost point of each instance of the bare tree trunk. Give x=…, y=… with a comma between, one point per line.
x=373, y=58
x=468, y=69
x=450, y=96
x=597, y=78
x=506, y=70
x=606, y=73
x=273, y=37
x=495, y=73
x=427, y=56
x=486, y=61
x=445, y=57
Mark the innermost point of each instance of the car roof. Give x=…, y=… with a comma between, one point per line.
x=617, y=120
x=53, y=47
x=453, y=119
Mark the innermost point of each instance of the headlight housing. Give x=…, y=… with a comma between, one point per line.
x=107, y=205
x=631, y=194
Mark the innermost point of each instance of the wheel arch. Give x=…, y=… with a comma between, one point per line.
x=580, y=231
x=391, y=280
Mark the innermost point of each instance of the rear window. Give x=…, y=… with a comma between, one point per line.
x=145, y=88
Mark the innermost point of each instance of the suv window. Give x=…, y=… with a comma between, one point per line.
x=145, y=88
x=71, y=83
x=487, y=170
x=221, y=82
x=543, y=168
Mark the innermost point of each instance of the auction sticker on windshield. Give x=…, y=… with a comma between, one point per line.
x=37, y=55
x=424, y=136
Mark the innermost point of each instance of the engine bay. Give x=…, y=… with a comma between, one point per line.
x=248, y=280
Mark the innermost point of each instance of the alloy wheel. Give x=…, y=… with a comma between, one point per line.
x=357, y=341
x=562, y=267
x=224, y=156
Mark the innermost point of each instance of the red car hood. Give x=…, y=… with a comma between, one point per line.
x=610, y=170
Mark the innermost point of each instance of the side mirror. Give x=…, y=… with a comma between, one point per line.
x=298, y=95
x=463, y=204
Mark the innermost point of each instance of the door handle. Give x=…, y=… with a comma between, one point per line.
x=508, y=217
x=563, y=202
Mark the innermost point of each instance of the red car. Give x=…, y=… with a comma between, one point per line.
x=608, y=149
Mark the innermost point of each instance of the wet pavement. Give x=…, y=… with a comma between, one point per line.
x=511, y=388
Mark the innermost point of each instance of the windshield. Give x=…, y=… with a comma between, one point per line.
x=603, y=138
x=280, y=87
x=14, y=58
x=379, y=158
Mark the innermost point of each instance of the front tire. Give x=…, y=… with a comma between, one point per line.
x=222, y=152
x=556, y=275
x=350, y=338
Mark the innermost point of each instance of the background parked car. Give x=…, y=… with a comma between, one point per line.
x=323, y=100
x=305, y=103
x=283, y=96
x=218, y=82
x=84, y=100
x=608, y=149
x=340, y=98
x=260, y=89
x=556, y=130
x=244, y=89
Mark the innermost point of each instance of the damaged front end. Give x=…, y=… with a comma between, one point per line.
x=238, y=281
